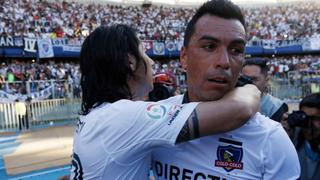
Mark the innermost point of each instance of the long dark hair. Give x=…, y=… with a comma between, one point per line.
x=104, y=65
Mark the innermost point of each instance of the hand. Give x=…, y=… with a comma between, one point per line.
x=229, y=112
x=248, y=96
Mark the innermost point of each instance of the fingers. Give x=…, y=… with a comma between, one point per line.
x=252, y=88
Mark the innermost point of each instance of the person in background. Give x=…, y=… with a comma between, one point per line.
x=21, y=113
x=270, y=106
x=305, y=129
x=284, y=122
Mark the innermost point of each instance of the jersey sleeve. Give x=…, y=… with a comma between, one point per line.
x=278, y=115
x=145, y=125
x=163, y=121
x=280, y=157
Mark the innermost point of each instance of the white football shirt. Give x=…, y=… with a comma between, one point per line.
x=114, y=141
x=260, y=149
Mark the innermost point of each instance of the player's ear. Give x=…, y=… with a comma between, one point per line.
x=132, y=62
x=183, y=58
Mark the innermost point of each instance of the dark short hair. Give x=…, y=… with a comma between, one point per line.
x=221, y=8
x=104, y=65
x=261, y=62
x=312, y=100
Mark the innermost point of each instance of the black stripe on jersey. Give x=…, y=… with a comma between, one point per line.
x=78, y=172
x=230, y=141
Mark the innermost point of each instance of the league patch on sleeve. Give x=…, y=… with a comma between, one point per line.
x=156, y=111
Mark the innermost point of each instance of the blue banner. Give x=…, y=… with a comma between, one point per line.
x=63, y=47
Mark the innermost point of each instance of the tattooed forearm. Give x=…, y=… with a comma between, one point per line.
x=184, y=134
x=190, y=129
x=195, y=122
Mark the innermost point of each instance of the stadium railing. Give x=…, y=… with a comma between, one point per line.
x=38, y=90
x=38, y=114
x=295, y=86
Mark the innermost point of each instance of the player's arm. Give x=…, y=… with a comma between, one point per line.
x=223, y=115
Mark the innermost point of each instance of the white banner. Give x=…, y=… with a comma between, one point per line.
x=30, y=44
x=41, y=95
x=158, y=48
x=315, y=43
x=45, y=48
x=6, y=41
x=311, y=44
x=268, y=44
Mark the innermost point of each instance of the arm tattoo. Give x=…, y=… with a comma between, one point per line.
x=195, y=122
x=184, y=134
x=190, y=129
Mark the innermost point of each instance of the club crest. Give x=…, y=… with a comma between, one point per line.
x=229, y=157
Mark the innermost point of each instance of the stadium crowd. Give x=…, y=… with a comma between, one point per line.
x=14, y=75
x=16, y=72
x=34, y=18
x=25, y=71
x=75, y=20
x=281, y=66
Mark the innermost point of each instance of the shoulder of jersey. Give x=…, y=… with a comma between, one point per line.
x=263, y=121
x=173, y=99
x=102, y=109
x=125, y=103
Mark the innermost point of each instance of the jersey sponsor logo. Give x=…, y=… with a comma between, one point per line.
x=229, y=157
x=169, y=171
x=175, y=110
x=156, y=111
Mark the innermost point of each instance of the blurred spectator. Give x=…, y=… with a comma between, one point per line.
x=21, y=113
x=10, y=76
x=270, y=106
x=306, y=126
x=302, y=69
x=18, y=74
x=282, y=67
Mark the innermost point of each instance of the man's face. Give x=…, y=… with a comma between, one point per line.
x=314, y=115
x=142, y=84
x=258, y=78
x=214, y=57
x=148, y=77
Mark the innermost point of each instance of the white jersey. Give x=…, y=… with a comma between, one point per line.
x=114, y=141
x=260, y=149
